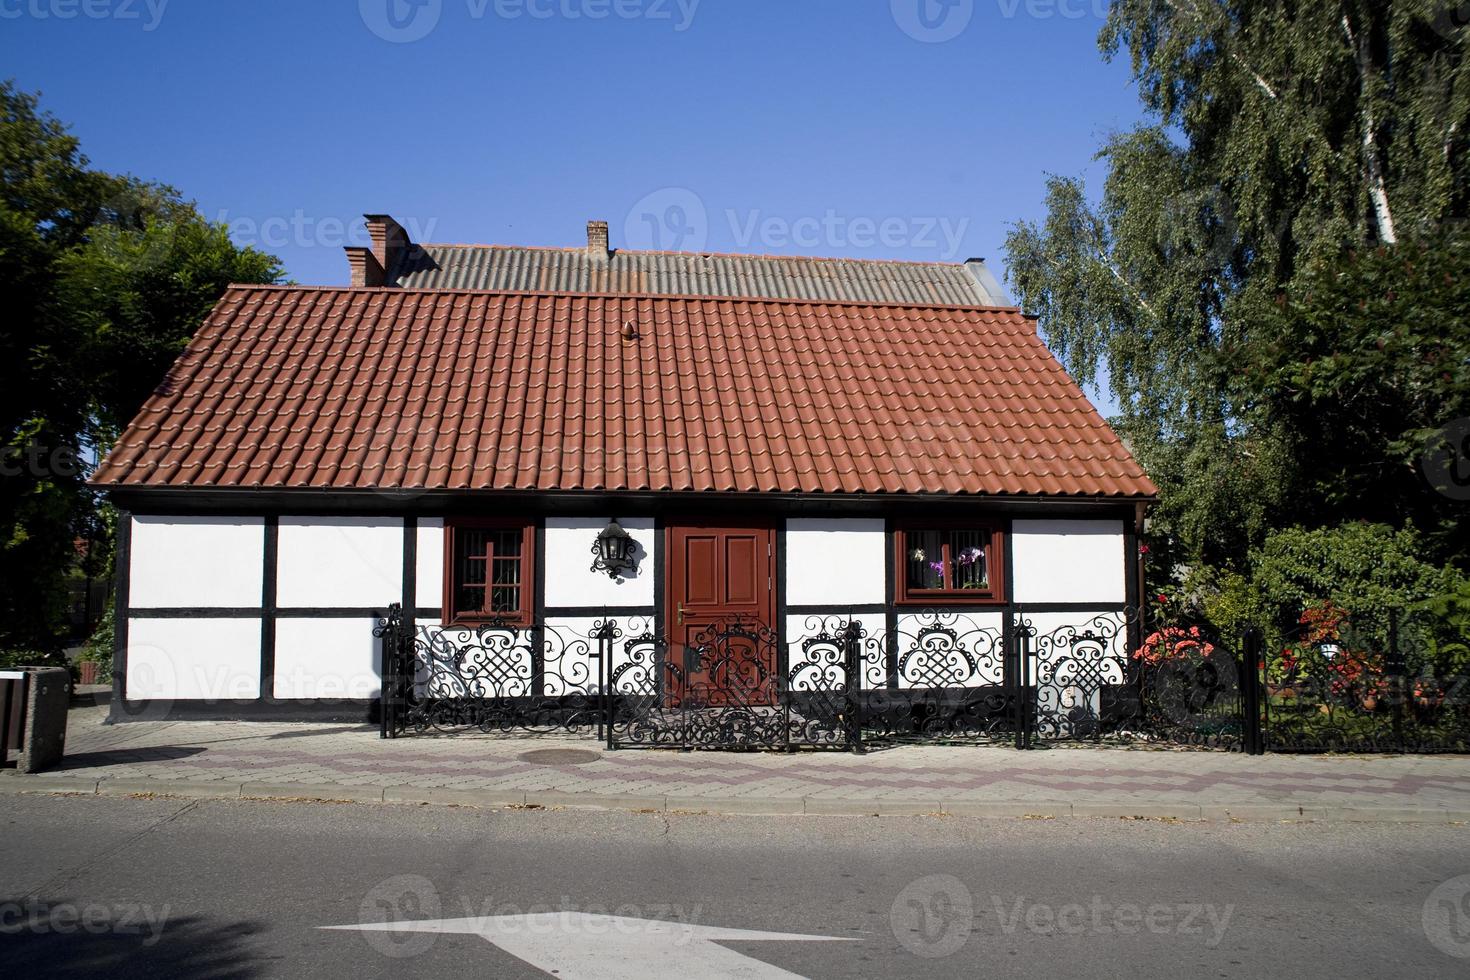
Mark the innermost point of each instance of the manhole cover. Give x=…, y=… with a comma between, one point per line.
x=559, y=757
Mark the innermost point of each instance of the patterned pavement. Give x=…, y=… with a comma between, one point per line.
x=324, y=761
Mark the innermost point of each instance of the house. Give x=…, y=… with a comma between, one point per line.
x=782, y=440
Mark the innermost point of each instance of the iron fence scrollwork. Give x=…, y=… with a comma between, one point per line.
x=734, y=686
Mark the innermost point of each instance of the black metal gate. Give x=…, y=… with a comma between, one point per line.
x=735, y=686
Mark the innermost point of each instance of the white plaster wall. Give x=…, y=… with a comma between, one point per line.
x=835, y=562
x=935, y=660
x=176, y=562
x=570, y=581
x=429, y=588
x=193, y=659
x=1068, y=561
x=874, y=663
x=339, y=561
x=327, y=659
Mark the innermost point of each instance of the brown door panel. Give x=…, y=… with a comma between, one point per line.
x=717, y=574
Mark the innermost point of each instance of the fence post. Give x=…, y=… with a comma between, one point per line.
x=1020, y=652
x=391, y=634
x=1398, y=671
x=853, y=683
x=604, y=680
x=1253, y=739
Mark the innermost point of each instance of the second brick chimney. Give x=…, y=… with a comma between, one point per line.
x=597, y=239
x=389, y=242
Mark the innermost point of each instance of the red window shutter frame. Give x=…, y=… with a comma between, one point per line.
x=521, y=616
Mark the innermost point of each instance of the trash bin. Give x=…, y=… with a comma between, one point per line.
x=33, y=705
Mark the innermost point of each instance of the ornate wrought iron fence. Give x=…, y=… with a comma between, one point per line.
x=950, y=680
x=1097, y=682
x=492, y=678
x=735, y=687
x=1387, y=682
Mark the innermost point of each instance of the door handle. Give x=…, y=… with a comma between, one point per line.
x=681, y=614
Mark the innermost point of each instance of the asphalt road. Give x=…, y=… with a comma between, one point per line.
x=166, y=888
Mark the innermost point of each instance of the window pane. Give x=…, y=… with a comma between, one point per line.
x=925, y=560
x=472, y=571
x=469, y=599
x=507, y=571
x=969, y=558
x=505, y=599
x=507, y=544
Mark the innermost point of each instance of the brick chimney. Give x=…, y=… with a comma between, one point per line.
x=389, y=242
x=597, y=240
x=364, y=265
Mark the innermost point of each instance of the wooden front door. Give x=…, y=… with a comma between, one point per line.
x=719, y=576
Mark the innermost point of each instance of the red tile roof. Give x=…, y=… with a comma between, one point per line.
x=475, y=390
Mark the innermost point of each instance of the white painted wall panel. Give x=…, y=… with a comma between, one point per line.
x=177, y=562
x=339, y=561
x=430, y=555
x=193, y=659
x=834, y=562
x=570, y=581
x=1068, y=561
x=327, y=659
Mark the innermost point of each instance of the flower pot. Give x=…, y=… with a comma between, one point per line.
x=88, y=671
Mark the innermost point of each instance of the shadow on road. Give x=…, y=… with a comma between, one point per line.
x=45, y=938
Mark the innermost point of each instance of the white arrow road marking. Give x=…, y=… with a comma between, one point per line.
x=584, y=946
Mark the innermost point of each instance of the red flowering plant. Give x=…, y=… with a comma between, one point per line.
x=1323, y=657
x=1173, y=643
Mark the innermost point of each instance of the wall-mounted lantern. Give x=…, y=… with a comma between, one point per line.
x=613, y=551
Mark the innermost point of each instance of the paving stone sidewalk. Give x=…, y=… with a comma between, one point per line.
x=350, y=762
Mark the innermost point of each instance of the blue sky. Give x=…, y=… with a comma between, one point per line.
x=916, y=129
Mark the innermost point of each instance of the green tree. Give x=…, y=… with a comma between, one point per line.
x=104, y=279
x=1284, y=135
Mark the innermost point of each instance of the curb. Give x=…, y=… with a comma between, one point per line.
x=731, y=806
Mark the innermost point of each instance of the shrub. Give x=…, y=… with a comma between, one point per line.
x=101, y=645
x=1367, y=570
x=11, y=659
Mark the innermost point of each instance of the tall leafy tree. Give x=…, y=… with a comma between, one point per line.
x=103, y=279
x=1283, y=136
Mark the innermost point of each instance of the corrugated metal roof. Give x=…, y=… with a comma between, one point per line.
x=475, y=390
x=577, y=270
